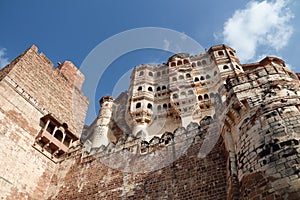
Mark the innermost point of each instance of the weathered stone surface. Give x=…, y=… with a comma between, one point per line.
x=207, y=127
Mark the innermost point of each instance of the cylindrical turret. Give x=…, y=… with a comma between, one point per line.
x=101, y=126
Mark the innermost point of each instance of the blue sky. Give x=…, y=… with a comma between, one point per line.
x=71, y=29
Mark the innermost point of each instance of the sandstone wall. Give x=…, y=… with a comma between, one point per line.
x=30, y=89
x=188, y=177
x=263, y=119
x=53, y=89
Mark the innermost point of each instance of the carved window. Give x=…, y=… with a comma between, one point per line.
x=202, y=78
x=231, y=53
x=174, y=79
x=175, y=96
x=198, y=63
x=220, y=53
x=173, y=64
x=181, y=77
x=59, y=135
x=163, y=87
x=188, y=75
x=200, y=98
x=196, y=79
x=150, y=74
x=207, y=76
x=158, y=74
x=149, y=106
x=54, y=138
x=159, y=107
x=150, y=89
x=225, y=67
x=140, y=88
x=158, y=89
x=138, y=105
x=204, y=62
x=206, y=96
x=179, y=62
x=190, y=92
x=165, y=106
x=141, y=73
x=185, y=61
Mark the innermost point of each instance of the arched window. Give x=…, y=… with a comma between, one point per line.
x=231, y=53
x=140, y=88
x=182, y=94
x=163, y=72
x=149, y=106
x=185, y=61
x=174, y=79
x=173, y=64
x=181, y=77
x=207, y=76
x=163, y=87
x=158, y=74
x=196, y=79
x=179, y=62
x=150, y=74
x=188, y=75
x=165, y=106
x=158, y=88
x=150, y=89
x=175, y=96
x=193, y=65
x=59, y=135
x=200, y=98
x=190, y=92
x=203, y=62
x=141, y=73
x=202, y=78
x=225, y=67
x=215, y=73
x=220, y=53
x=206, y=96
x=159, y=108
x=138, y=105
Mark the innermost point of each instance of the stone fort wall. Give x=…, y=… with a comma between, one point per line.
x=30, y=89
x=254, y=154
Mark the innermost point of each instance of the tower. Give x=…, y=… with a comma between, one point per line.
x=100, y=126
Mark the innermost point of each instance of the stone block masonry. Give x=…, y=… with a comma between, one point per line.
x=196, y=127
x=30, y=89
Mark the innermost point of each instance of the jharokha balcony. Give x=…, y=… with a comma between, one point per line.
x=54, y=139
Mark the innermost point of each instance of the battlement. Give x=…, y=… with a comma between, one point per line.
x=196, y=127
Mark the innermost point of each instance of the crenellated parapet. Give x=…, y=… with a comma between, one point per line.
x=202, y=100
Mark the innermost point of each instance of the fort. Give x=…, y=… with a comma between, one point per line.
x=196, y=127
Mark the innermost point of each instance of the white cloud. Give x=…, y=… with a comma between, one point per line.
x=3, y=58
x=264, y=23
